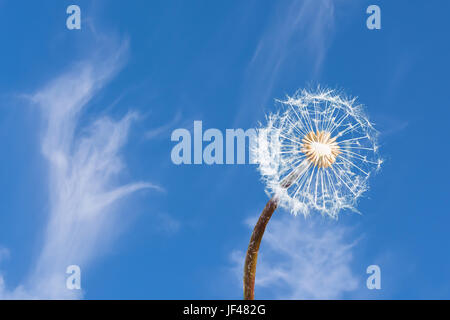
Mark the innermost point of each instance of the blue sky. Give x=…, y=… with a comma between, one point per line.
x=109, y=95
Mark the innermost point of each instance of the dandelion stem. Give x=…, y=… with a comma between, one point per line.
x=253, y=248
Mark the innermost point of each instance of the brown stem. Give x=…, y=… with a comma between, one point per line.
x=253, y=248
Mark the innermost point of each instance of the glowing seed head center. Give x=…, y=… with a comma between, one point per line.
x=320, y=149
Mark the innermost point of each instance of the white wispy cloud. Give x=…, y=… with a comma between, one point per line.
x=164, y=130
x=304, y=24
x=295, y=30
x=84, y=167
x=302, y=259
x=167, y=224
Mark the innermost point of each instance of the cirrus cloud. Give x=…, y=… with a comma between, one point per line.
x=84, y=166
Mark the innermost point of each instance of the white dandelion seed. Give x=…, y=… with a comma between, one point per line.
x=318, y=153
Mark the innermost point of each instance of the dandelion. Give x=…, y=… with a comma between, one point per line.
x=315, y=155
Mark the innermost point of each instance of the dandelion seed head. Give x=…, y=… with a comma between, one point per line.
x=317, y=153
